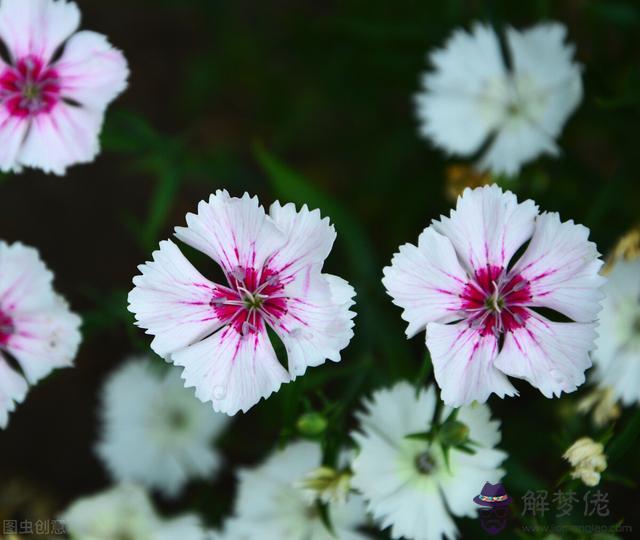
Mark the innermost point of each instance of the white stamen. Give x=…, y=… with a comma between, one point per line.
x=247, y=328
x=494, y=298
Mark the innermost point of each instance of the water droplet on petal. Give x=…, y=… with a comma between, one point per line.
x=219, y=391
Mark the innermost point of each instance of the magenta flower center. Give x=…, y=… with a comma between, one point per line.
x=252, y=298
x=495, y=300
x=29, y=88
x=7, y=328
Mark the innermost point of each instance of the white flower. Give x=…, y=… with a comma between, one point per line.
x=479, y=302
x=617, y=357
x=154, y=431
x=218, y=332
x=52, y=105
x=406, y=482
x=472, y=97
x=126, y=513
x=271, y=505
x=37, y=329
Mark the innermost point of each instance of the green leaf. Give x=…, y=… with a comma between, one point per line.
x=425, y=372
x=422, y=436
x=293, y=187
x=625, y=441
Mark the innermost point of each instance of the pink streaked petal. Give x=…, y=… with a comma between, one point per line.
x=562, y=267
x=91, y=71
x=62, y=137
x=45, y=340
x=426, y=281
x=12, y=132
x=25, y=281
x=309, y=238
x=488, y=226
x=172, y=301
x=550, y=356
x=463, y=362
x=13, y=390
x=37, y=27
x=231, y=370
x=317, y=326
x=235, y=232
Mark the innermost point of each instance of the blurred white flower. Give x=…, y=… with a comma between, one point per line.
x=588, y=460
x=37, y=329
x=406, y=482
x=270, y=504
x=154, y=431
x=617, y=357
x=472, y=97
x=126, y=513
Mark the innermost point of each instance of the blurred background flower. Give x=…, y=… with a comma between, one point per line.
x=153, y=431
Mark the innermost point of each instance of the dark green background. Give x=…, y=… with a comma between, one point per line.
x=305, y=101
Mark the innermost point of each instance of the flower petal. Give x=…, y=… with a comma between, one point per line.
x=46, y=333
x=25, y=281
x=618, y=344
x=92, y=73
x=463, y=362
x=518, y=142
x=468, y=475
x=546, y=76
x=397, y=412
x=465, y=97
x=37, y=27
x=233, y=232
x=172, y=301
x=13, y=389
x=62, y=137
x=562, y=268
x=426, y=281
x=45, y=340
x=12, y=132
x=231, y=370
x=309, y=238
x=317, y=324
x=488, y=226
x=550, y=356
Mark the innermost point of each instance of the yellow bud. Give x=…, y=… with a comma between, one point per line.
x=326, y=484
x=588, y=459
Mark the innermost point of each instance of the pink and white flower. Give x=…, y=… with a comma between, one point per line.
x=272, y=264
x=481, y=305
x=52, y=108
x=37, y=329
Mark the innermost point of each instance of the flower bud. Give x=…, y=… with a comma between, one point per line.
x=327, y=485
x=453, y=433
x=312, y=424
x=581, y=450
x=588, y=459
